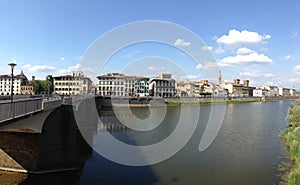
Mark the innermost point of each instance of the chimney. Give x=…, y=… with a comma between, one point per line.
x=246, y=83
x=33, y=79
x=236, y=81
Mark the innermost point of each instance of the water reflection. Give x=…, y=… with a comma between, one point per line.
x=247, y=151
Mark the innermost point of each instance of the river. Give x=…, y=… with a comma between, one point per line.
x=246, y=151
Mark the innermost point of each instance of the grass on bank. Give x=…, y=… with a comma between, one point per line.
x=209, y=102
x=292, y=140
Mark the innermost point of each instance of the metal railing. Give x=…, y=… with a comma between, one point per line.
x=19, y=108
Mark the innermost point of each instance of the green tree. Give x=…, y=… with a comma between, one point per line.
x=39, y=87
x=49, y=82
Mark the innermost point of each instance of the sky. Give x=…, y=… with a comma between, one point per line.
x=256, y=40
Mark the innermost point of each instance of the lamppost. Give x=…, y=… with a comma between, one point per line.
x=12, y=65
x=48, y=84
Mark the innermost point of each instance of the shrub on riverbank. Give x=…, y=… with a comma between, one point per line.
x=292, y=140
x=294, y=114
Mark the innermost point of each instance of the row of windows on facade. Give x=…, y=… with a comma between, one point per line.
x=68, y=83
x=112, y=93
x=120, y=82
x=7, y=86
x=165, y=90
x=8, y=79
x=116, y=79
x=165, y=84
x=69, y=89
x=8, y=93
x=8, y=90
x=8, y=83
x=103, y=88
x=69, y=79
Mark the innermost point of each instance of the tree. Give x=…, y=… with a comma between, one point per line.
x=49, y=82
x=39, y=87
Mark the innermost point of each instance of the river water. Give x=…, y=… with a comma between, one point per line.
x=246, y=151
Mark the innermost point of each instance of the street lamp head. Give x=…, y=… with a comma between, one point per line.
x=12, y=65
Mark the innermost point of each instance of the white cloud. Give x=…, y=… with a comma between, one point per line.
x=252, y=58
x=130, y=55
x=189, y=77
x=182, y=43
x=158, y=69
x=244, y=51
x=287, y=57
x=207, y=48
x=152, y=68
x=264, y=49
x=295, y=34
x=294, y=80
x=257, y=74
x=219, y=50
x=237, y=38
x=39, y=68
x=62, y=58
x=210, y=65
x=296, y=69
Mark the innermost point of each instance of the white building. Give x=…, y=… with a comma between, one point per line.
x=21, y=85
x=204, y=87
x=270, y=90
x=185, y=88
x=163, y=86
x=117, y=84
x=141, y=86
x=75, y=84
x=220, y=92
x=257, y=92
x=5, y=85
x=286, y=91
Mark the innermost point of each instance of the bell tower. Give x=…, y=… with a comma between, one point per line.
x=220, y=78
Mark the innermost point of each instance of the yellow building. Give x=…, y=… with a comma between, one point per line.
x=27, y=89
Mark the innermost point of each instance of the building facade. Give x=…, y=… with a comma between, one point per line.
x=163, y=86
x=286, y=91
x=118, y=84
x=21, y=85
x=270, y=90
x=5, y=85
x=258, y=92
x=75, y=84
x=185, y=89
x=236, y=89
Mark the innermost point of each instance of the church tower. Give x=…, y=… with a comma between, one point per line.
x=220, y=78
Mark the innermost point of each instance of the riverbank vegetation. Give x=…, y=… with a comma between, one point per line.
x=292, y=140
x=176, y=103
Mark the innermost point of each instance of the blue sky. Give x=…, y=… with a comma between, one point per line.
x=255, y=40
